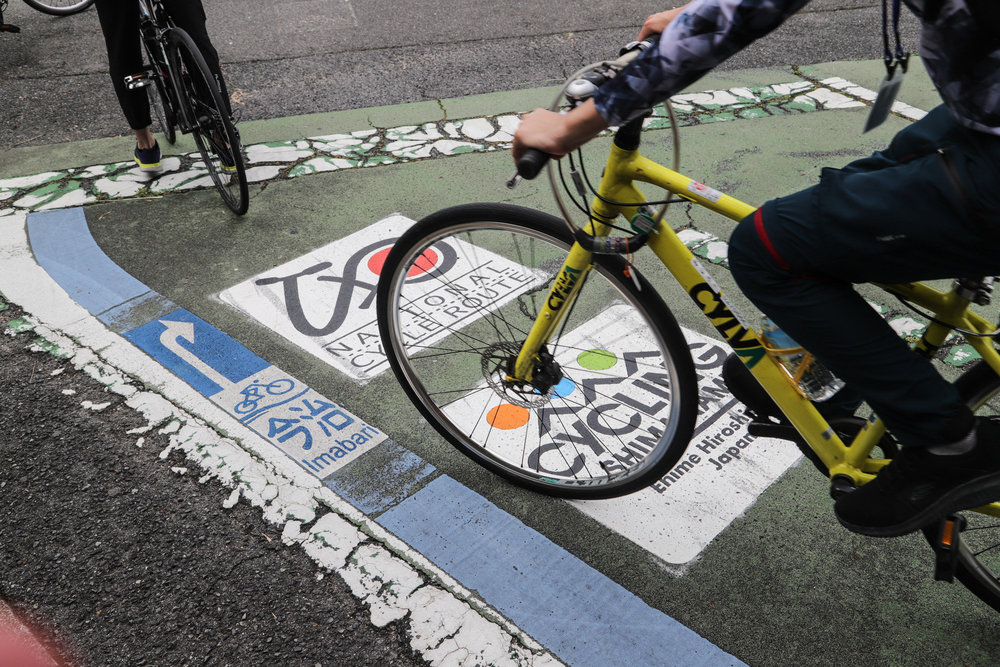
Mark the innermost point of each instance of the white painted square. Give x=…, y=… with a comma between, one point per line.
x=721, y=474
x=324, y=301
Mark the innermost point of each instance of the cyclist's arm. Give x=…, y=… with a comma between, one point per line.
x=557, y=134
x=706, y=33
x=695, y=38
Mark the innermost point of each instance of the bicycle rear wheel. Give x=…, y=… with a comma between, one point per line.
x=456, y=297
x=59, y=7
x=208, y=119
x=979, y=544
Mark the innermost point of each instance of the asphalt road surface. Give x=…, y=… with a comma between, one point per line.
x=288, y=58
x=119, y=559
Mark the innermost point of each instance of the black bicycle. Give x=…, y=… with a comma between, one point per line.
x=54, y=7
x=188, y=98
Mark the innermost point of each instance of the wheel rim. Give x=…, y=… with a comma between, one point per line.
x=979, y=543
x=163, y=117
x=213, y=140
x=462, y=302
x=213, y=132
x=61, y=7
x=159, y=100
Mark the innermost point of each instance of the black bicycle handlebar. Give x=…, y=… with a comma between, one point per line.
x=530, y=164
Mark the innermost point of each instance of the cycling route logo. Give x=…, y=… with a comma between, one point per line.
x=324, y=301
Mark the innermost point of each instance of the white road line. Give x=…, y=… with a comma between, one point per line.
x=339, y=538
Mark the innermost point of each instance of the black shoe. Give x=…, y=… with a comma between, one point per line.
x=149, y=159
x=919, y=487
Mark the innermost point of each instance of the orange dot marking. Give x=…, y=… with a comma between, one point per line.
x=507, y=417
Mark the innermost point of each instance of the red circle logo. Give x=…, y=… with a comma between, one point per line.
x=424, y=263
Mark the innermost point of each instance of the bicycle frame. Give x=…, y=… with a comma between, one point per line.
x=193, y=101
x=624, y=168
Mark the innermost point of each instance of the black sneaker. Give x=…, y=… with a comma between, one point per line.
x=149, y=159
x=919, y=487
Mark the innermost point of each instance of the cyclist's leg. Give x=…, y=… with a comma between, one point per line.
x=189, y=15
x=893, y=217
x=121, y=34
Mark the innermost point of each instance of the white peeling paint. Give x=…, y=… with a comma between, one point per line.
x=326, y=527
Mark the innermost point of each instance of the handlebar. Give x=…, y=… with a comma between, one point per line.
x=530, y=164
x=577, y=90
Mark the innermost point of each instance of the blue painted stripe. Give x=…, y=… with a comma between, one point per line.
x=62, y=244
x=381, y=479
x=138, y=311
x=572, y=609
x=194, y=350
x=231, y=359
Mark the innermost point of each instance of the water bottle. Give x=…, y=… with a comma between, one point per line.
x=815, y=380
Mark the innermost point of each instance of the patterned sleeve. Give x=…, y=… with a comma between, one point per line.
x=704, y=35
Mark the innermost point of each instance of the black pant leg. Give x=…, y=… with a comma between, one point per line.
x=189, y=15
x=120, y=25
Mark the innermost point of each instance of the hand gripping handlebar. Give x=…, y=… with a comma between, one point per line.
x=578, y=89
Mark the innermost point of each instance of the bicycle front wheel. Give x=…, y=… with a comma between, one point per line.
x=59, y=7
x=208, y=119
x=617, y=406
x=979, y=543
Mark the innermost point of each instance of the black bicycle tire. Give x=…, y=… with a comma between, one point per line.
x=59, y=11
x=658, y=316
x=179, y=39
x=158, y=103
x=159, y=99
x=974, y=385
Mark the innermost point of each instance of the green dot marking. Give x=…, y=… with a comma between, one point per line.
x=597, y=360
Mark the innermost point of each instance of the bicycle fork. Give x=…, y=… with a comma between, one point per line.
x=534, y=365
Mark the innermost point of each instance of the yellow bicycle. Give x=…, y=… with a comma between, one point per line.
x=539, y=350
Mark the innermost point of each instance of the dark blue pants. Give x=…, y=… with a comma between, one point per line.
x=927, y=207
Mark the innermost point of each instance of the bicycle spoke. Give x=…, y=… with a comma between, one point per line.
x=579, y=424
x=207, y=117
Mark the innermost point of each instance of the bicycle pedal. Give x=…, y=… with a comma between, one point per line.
x=140, y=80
x=946, y=547
x=7, y=27
x=840, y=486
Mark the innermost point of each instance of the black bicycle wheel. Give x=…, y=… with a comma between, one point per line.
x=617, y=396
x=208, y=119
x=59, y=7
x=979, y=544
x=159, y=98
